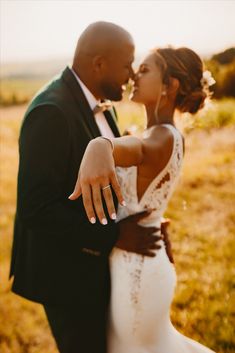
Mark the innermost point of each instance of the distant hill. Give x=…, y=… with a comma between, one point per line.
x=32, y=70
x=225, y=57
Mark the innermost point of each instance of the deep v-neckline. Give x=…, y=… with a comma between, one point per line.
x=158, y=176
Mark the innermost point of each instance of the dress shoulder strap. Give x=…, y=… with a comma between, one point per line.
x=178, y=138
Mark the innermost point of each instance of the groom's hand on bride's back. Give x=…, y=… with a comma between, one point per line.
x=138, y=239
x=166, y=238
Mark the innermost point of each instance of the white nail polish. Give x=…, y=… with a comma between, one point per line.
x=104, y=221
x=92, y=220
x=113, y=216
x=123, y=203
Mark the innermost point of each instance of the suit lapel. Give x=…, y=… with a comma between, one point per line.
x=82, y=103
x=110, y=119
x=84, y=106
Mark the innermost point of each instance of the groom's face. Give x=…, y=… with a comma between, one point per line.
x=116, y=72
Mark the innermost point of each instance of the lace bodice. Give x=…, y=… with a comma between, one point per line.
x=157, y=194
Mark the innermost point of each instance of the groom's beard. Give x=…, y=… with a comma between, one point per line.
x=111, y=91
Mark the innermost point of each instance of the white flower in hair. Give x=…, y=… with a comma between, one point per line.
x=207, y=79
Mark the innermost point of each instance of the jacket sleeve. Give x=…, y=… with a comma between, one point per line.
x=43, y=203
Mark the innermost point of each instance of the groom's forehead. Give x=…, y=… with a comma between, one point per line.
x=124, y=55
x=128, y=54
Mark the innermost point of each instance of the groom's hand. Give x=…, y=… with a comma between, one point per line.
x=138, y=239
x=164, y=231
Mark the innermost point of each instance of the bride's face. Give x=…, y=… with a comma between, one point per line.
x=148, y=82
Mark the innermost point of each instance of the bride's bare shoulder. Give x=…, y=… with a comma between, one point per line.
x=158, y=143
x=159, y=136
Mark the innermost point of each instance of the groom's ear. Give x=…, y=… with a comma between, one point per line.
x=98, y=63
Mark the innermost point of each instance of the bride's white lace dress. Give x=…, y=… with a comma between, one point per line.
x=143, y=287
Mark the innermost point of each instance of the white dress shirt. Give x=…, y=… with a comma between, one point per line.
x=101, y=121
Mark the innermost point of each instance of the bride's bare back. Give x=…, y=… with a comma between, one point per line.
x=157, y=149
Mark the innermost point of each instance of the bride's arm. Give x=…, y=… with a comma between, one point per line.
x=127, y=151
x=97, y=171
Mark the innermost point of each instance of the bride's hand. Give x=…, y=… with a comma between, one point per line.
x=96, y=177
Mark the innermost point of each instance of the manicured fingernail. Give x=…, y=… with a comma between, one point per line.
x=104, y=221
x=113, y=216
x=123, y=203
x=92, y=220
x=70, y=196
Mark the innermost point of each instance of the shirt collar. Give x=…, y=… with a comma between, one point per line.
x=89, y=96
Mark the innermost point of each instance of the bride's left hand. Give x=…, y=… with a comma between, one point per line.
x=97, y=175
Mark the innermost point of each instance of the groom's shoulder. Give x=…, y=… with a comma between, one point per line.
x=51, y=99
x=55, y=93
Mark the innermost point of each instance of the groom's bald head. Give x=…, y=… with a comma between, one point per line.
x=103, y=52
x=101, y=38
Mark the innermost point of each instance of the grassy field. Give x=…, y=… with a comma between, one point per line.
x=18, y=91
x=203, y=229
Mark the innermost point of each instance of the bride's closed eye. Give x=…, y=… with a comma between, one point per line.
x=143, y=69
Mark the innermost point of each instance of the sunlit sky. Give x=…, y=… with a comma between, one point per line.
x=46, y=29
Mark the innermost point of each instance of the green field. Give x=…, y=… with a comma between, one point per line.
x=202, y=232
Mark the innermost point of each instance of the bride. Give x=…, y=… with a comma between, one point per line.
x=147, y=169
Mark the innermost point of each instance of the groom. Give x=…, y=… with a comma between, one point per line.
x=59, y=258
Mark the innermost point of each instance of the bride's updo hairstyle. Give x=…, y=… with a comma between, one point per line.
x=186, y=66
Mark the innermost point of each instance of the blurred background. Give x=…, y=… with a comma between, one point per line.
x=37, y=40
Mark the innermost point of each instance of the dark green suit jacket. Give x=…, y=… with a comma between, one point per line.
x=57, y=254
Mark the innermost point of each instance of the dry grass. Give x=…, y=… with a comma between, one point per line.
x=203, y=228
x=18, y=91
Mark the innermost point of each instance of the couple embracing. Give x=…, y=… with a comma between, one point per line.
x=100, y=263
